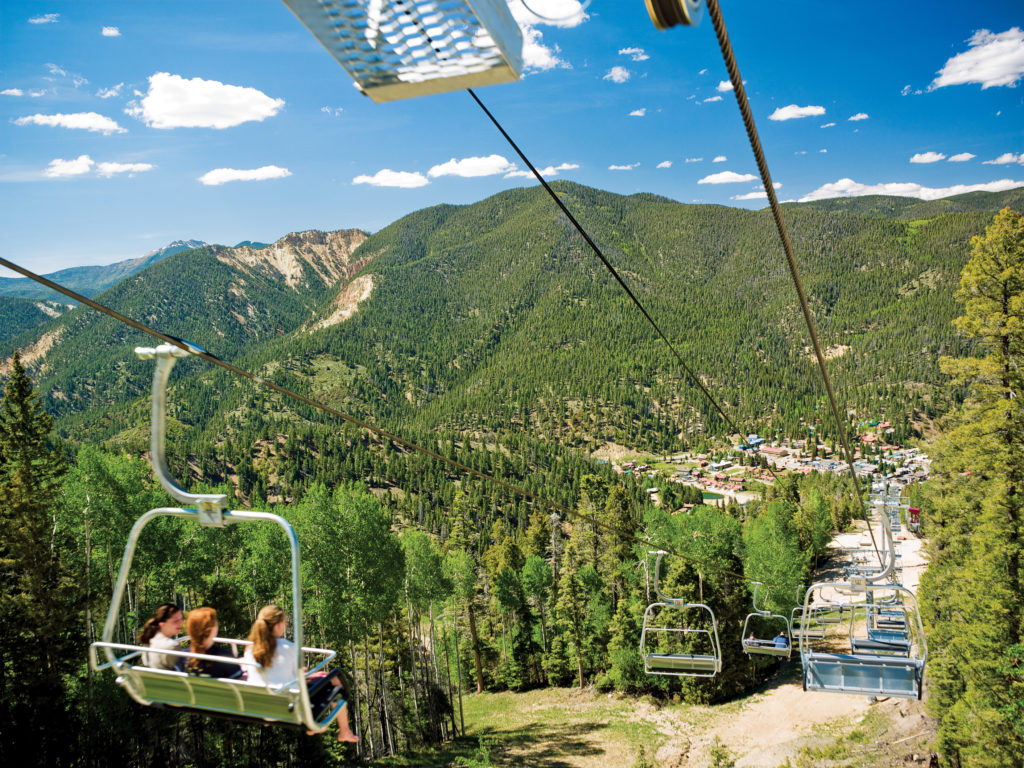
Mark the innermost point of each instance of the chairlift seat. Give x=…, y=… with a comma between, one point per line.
x=863, y=674
x=766, y=648
x=868, y=645
x=681, y=662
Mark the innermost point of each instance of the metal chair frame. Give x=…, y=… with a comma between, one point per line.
x=679, y=664
x=763, y=646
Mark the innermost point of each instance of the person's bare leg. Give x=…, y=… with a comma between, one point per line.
x=344, y=732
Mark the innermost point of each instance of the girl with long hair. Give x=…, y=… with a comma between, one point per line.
x=202, y=632
x=277, y=655
x=161, y=634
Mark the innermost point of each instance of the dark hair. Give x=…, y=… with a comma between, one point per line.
x=164, y=612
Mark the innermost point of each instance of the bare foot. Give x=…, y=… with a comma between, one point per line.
x=348, y=736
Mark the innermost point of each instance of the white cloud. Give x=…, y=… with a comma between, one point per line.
x=991, y=60
x=551, y=170
x=111, y=32
x=963, y=157
x=109, y=169
x=723, y=86
x=629, y=167
x=801, y=152
x=53, y=69
x=389, y=178
x=851, y=188
x=905, y=91
x=823, y=151
x=828, y=125
x=12, y=92
x=638, y=112
x=927, y=157
x=335, y=111
x=174, y=102
x=617, y=75
x=111, y=92
x=759, y=195
x=46, y=18
x=59, y=169
x=219, y=176
x=86, y=121
x=37, y=94
x=727, y=177
x=1005, y=159
x=720, y=159
x=637, y=54
x=694, y=159
x=703, y=72
x=858, y=116
x=793, y=112
x=536, y=55
x=469, y=167
x=710, y=99
x=664, y=164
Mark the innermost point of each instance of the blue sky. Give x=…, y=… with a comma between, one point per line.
x=126, y=125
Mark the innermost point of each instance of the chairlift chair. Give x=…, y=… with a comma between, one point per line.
x=765, y=646
x=287, y=704
x=706, y=664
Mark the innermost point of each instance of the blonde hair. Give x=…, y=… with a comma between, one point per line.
x=262, y=637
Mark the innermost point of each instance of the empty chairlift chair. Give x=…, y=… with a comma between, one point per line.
x=878, y=662
x=685, y=649
x=760, y=630
x=288, y=704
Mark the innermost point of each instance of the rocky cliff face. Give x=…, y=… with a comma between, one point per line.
x=300, y=258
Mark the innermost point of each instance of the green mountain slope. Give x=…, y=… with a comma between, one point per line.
x=908, y=208
x=20, y=315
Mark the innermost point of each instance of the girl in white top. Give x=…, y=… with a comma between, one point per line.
x=277, y=657
x=161, y=634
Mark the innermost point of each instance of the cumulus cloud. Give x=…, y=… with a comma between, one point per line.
x=469, y=167
x=536, y=55
x=991, y=60
x=858, y=116
x=110, y=169
x=828, y=125
x=637, y=54
x=694, y=159
x=388, y=178
x=86, y=121
x=720, y=159
x=757, y=194
x=927, y=157
x=727, y=177
x=617, y=74
x=629, y=167
x=551, y=170
x=962, y=157
x=174, y=102
x=111, y=92
x=664, y=164
x=723, y=86
x=219, y=176
x=710, y=99
x=46, y=18
x=110, y=32
x=793, y=112
x=37, y=94
x=60, y=169
x=1006, y=158
x=851, y=188
x=638, y=112
x=12, y=92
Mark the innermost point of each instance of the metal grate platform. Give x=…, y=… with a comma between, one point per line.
x=397, y=49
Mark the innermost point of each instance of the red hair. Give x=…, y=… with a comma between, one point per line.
x=201, y=622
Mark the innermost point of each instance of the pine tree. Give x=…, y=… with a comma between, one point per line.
x=972, y=593
x=41, y=639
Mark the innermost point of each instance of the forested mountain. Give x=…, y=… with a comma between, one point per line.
x=496, y=317
x=92, y=280
x=20, y=315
